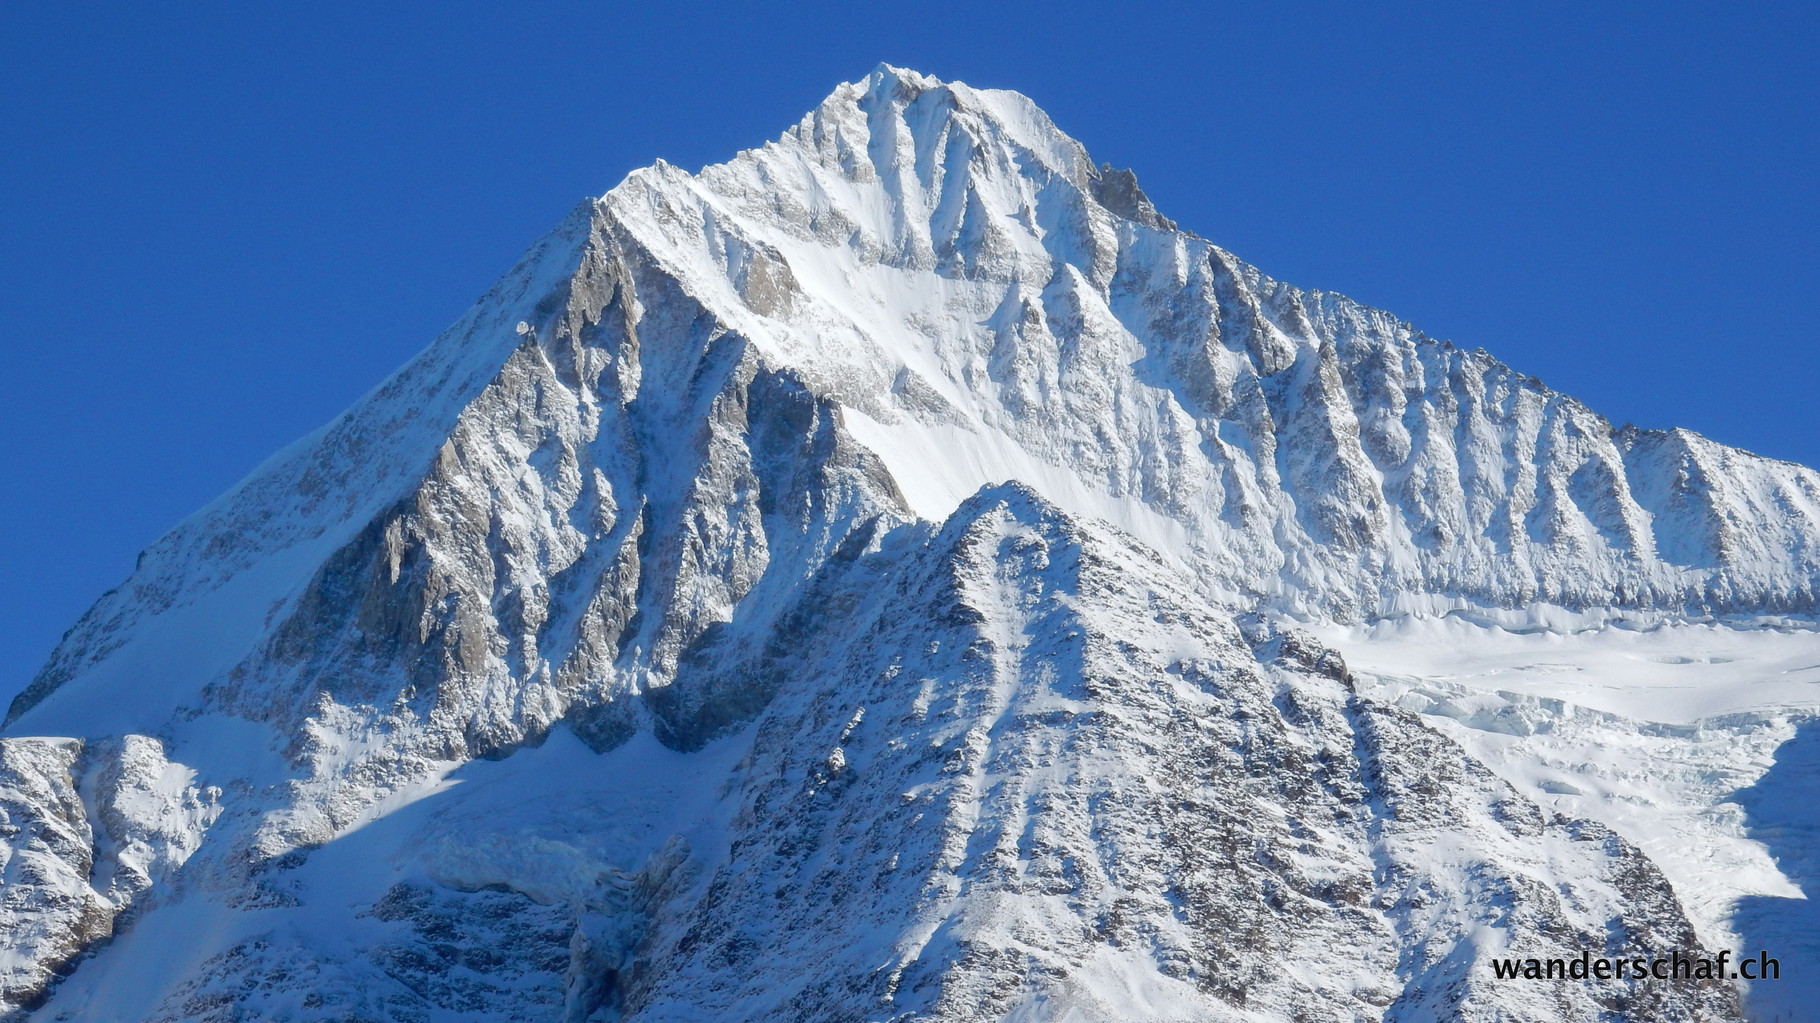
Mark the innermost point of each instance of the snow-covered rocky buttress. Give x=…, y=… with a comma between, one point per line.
x=899, y=575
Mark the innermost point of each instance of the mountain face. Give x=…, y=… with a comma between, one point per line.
x=880, y=577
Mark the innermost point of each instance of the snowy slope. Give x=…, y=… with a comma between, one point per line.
x=1027, y=777
x=664, y=643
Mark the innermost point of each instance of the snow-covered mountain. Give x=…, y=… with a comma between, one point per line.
x=899, y=575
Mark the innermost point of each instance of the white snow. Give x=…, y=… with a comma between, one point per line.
x=1653, y=728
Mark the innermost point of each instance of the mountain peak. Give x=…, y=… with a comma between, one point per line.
x=898, y=78
x=878, y=509
x=946, y=270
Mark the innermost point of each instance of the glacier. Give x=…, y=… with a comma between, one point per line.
x=898, y=574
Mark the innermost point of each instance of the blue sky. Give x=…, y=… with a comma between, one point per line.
x=224, y=222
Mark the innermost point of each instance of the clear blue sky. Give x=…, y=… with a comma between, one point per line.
x=224, y=222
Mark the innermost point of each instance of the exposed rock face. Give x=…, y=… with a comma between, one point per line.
x=700, y=507
x=85, y=829
x=1094, y=797
x=51, y=912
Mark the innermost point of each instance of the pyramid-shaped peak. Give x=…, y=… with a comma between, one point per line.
x=904, y=477
x=927, y=116
x=889, y=74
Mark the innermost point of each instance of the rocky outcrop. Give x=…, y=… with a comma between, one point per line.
x=85, y=830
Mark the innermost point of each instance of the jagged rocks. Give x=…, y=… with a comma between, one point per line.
x=85, y=829
x=50, y=913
